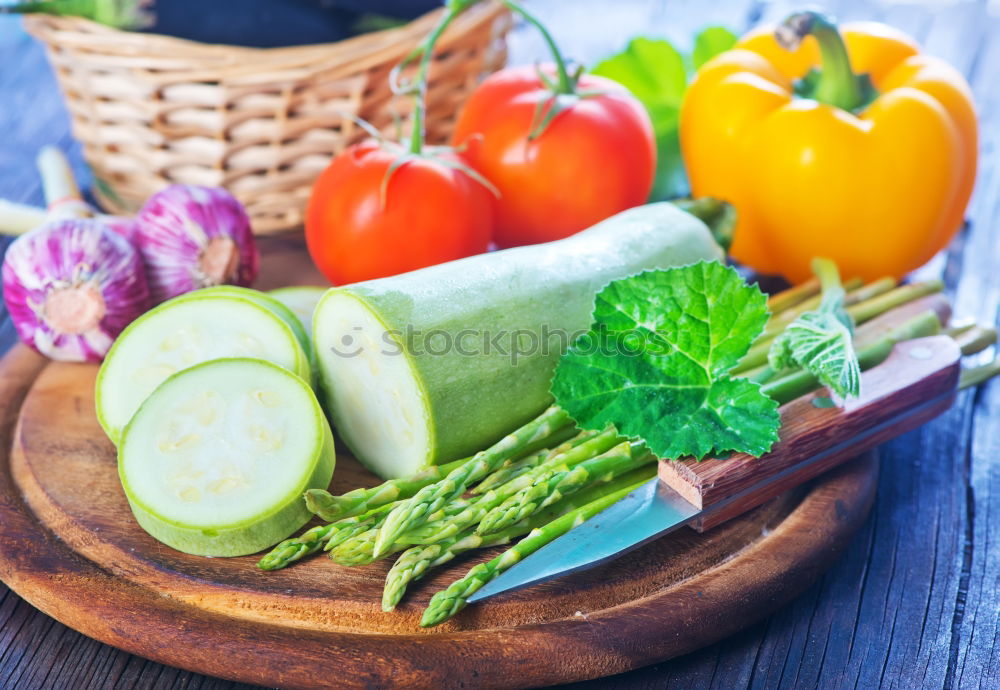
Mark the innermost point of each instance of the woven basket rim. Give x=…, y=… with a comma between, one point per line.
x=49, y=28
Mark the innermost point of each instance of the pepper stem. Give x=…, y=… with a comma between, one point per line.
x=564, y=83
x=837, y=83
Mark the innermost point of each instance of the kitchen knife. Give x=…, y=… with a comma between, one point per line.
x=916, y=383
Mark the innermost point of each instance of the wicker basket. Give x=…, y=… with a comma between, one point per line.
x=154, y=110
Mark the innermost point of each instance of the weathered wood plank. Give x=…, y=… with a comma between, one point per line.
x=974, y=655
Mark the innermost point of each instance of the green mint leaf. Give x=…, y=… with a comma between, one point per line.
x=655, y=363
x=657, y=74
x=822, y=341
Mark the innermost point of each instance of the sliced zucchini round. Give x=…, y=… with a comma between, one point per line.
x=187, y=330
x=302, y=300
x=216, y=460
x=271, y=302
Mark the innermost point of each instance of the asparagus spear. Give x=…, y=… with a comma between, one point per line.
x=319, y=537
x=560, y=482
x=514, y=470
x=447, y=603
x=875, y=330
x=867, y=310
x=973, y=376
x=435, y=531
x=757, y=355
x=417, y=560
x=330, y=507
x=958, y=328
x=793, y=296
x=857, y=292
x=360, y=548
x=822, y=341
x=416, y=510
x=976, y=339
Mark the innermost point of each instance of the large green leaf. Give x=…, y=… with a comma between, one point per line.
x=656, y=363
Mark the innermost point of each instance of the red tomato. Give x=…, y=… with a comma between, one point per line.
x=594, y=159
x=431, y=213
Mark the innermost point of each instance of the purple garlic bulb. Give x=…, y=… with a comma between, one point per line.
x=194, y=237
x=71, y=286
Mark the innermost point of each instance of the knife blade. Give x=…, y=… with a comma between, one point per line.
x=915, y=384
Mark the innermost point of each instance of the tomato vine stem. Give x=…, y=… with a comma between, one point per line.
x=564, y=84
x=419, y=86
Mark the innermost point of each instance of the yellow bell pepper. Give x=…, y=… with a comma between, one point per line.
x=852, y=146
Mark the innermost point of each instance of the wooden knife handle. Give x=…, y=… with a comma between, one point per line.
x=916, y=383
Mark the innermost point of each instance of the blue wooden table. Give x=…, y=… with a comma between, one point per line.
x=914, y=602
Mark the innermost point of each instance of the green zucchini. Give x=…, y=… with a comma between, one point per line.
x=436, y=364
x=216, y=460
x=187, y=330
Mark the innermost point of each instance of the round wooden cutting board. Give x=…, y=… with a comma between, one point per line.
x=70, y=546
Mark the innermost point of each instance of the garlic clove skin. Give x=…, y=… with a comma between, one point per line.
x=71, y=286
x=192, y=237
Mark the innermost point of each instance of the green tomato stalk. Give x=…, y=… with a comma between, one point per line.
x=417, y=89
x=565, y=84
